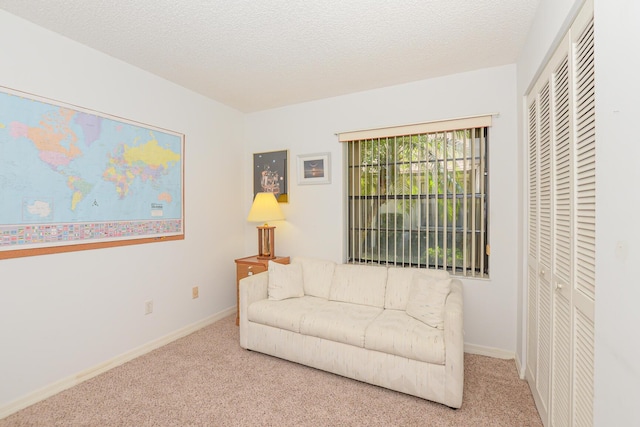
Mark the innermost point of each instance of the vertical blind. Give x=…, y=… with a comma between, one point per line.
x=417, y=195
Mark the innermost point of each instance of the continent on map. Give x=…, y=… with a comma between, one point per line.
x=80, y=189
x=148, y=161
x=166, y=197
x=91, y=126
x=53, y=138
x=39, y=208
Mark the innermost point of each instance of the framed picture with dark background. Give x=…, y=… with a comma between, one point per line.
x=270, y=174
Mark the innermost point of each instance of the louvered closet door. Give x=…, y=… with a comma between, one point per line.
x=543, y=333
x=540, y=245
x=562, y=244
x=532, y=267
x=561, y=230
x=584, y=291
x=545, y=247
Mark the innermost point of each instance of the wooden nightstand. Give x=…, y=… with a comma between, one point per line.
x=249, y=266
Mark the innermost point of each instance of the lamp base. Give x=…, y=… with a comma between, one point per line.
x=266, y=242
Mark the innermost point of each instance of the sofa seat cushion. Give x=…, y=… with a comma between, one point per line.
x=283, y=314
x=339, y=321
x=395, y=332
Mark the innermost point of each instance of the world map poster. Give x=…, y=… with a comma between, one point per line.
x=71, y=176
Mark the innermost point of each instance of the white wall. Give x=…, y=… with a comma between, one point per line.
x=617, y=378
x=62, y=314
x=314, y=223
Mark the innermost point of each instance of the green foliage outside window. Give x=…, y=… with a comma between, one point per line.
x=419, y=199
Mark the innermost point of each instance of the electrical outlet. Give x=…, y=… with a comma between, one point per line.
x=148, y=307
x=194, y=292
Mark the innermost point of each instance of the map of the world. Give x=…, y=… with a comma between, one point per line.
x=68, y=175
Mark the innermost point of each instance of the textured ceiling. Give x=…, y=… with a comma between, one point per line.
x=259, y=54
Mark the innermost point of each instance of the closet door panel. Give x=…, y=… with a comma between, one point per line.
x=562, y=243
x=532, y=258
x=585, y=202
x=545, y=246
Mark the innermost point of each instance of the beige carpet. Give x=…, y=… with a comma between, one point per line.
x=206, y=379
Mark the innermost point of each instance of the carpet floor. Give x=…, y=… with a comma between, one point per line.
x=207, y=379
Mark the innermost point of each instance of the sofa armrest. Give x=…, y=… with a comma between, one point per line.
x=454, y=345
x=252, y=289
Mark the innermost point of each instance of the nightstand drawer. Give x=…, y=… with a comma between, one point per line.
x=245, y=270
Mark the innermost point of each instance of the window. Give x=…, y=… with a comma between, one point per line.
x=417, y=196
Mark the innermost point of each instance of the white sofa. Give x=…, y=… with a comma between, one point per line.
x=365, y=322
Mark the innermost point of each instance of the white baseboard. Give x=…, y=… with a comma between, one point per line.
x=488, y=351
x=65, y=383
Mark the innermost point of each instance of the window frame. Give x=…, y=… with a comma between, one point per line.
x=436, y=236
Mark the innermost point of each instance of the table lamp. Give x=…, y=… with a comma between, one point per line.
x=265, y=208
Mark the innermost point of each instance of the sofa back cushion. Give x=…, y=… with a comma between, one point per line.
x=285, y=281
x=317, y=275
x=426, y=299
x=359, y=284
x=399, y=284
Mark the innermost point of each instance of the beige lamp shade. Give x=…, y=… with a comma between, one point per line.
x=265, y=208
